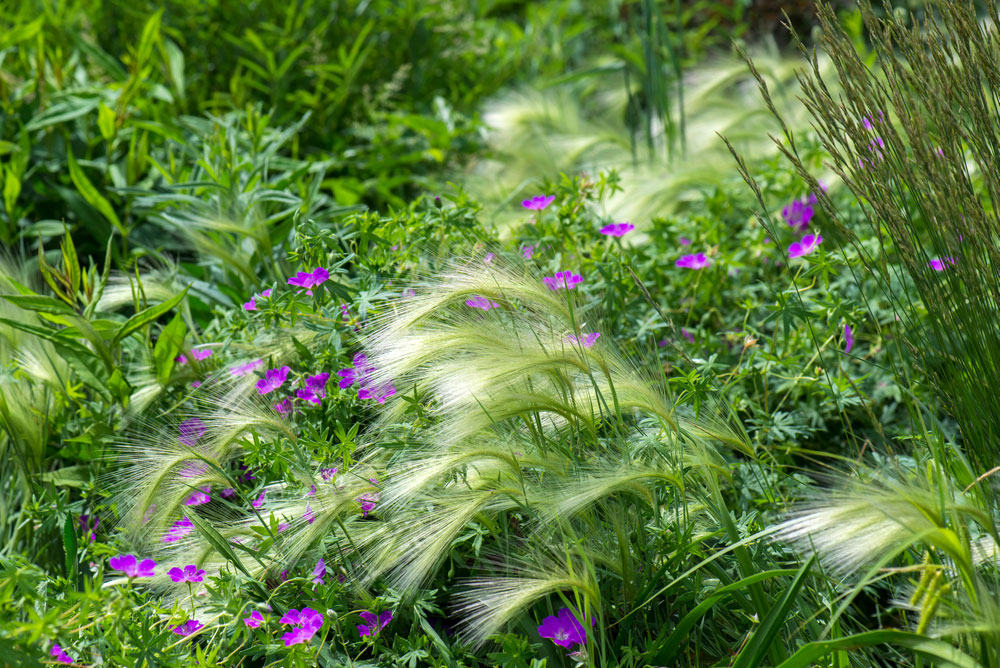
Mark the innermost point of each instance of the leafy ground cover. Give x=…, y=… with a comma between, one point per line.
x=325, y=339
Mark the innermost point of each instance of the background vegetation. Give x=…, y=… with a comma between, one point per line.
x=444, y=333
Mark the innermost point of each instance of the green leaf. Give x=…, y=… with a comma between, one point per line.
x=223, y=547
x=304, y=352
x=150, y=34
x=106, y=122
x=68, y=476
x=753, y=652
x=21, y=33
x=143, y=318
x=11, y=189
x=941, y=653
x=119, y=386
x=70, y=548
x=40, y=303
x=87, y=366
x=673, y=643
x=90, y=193
x=65, y=110
x=168, y=345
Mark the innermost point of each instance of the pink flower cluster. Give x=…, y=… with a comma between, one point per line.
x=563, y=279
x=480, y=302
x=252, y=304
x=617, y=229
x=696, y=261
x=585, y=340
x=361, y=374
x=132, y=567
x=197, y=354
x=538, y=202
x=309, y=280
x=304, y=624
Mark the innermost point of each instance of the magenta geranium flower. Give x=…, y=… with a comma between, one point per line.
x=188, y=627
x=191, y=431
x=375, y=623
x=309, y=516
x=538, y=202
x=586, y=340
x=684, y=241
x=527, y=252
x=941, y=264
x=563, y=279
x=489, y=258
x=687, y=335
x=358, y=374
x=368, y=501
x=478, y=301
x=799, y=213
x=252, y=304
x=133, y=568
x=319, y=571
x=283, y=407
x=807, y=245
x=178, y=530
x=309, y=280
x=848, y=338
x=617, y=229
x=254, y=620
x=314, y=390
x=563, y=629
x=244, y=369
x=199, y=497
x=696, y=261
x=259, y=501
x=60, y=656
x=189, y=573
x=328, y=474
x=307, y=623
x=272, y=380
x=379, y=393
x=89, y=523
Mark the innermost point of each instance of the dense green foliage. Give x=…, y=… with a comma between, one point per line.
x=271, y=309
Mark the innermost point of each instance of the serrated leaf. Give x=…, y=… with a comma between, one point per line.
x=143, y=318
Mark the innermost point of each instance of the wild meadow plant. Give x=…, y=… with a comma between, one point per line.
x=500, y=411
x=913, y=136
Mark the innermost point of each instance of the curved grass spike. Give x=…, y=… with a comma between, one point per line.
x=536, y=441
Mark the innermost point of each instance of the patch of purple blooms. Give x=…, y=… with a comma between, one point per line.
x=272, y=380
x=527, y=252
x=86, y=525
x=563, y=279
x=132, y=567
x=695, y=261
x=305, y=623
x=617, y=229
x=586, y=340
x=375, y=623
x=283, y=407
x=254, y=620
x=848, y=338
x=259, y=501
x=197, y=354
x=480, y=302
x=564, y=629
x=309, y=280
x=244, y=369
x=314, y=390
x=189, y=573
x=538, y=202
x=60, y=656
x=807, y=245
x=941, y=264
x=191, y=431
x=319, y=572
x=178, y=530
x=199, y=497
x=188, y=627
x=800, y=212
x=252, y=304
x=361, y=374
